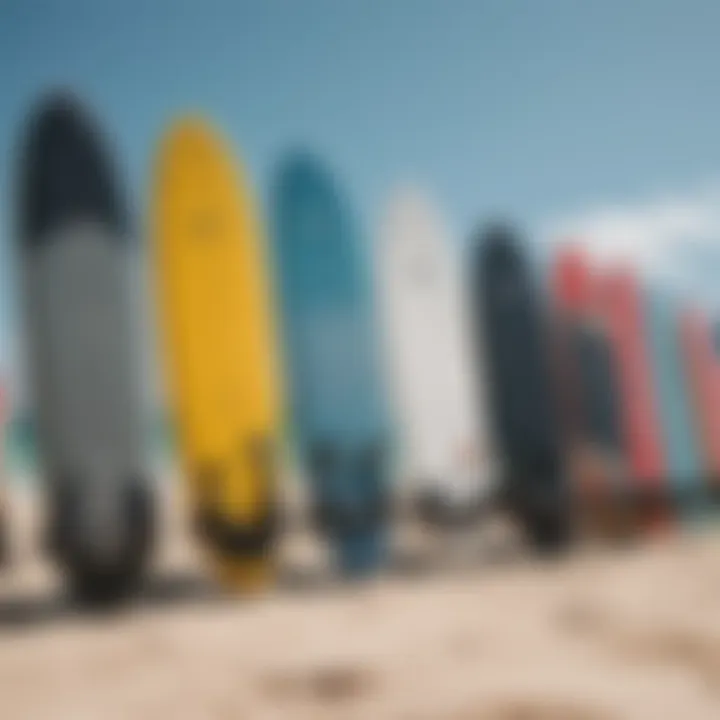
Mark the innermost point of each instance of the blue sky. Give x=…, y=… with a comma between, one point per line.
x=559, y=113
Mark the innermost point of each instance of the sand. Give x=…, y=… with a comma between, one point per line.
x=603, y=634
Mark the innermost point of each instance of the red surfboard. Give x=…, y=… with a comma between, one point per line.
x=588, y=392
x=714, y=339
x=621, y=303
x=570, y=280
x=703, y=373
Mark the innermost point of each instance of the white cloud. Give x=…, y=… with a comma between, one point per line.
x=672, y=239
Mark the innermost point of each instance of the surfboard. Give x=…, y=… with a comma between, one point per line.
x=570, y=280
x=444, y=449
x=338, y=407
x=77, y=255
x=714, y=482
x=513, y=329
x=684, y=467
x=621, y=303
x=588, y=396
x=700, y=373
x=4, y=511
x=214, y=297
x=598, y=380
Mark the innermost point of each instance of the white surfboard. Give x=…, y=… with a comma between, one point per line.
x=437, y=389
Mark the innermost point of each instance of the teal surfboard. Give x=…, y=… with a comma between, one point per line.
x=684, y=469
x=329, y=329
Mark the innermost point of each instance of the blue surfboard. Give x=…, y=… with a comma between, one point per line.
x=683, y=458
x=337, y=404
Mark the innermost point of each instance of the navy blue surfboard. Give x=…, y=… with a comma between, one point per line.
x=598, y=389
x=513, y=328
x=337, y=404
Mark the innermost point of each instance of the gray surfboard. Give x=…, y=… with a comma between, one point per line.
x=82, y=350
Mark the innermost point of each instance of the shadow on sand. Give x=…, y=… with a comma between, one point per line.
x=29, y=611
x=25, y=611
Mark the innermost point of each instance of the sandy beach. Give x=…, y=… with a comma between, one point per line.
x=601, y=635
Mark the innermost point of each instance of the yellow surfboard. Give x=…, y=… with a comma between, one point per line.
x=220, y=356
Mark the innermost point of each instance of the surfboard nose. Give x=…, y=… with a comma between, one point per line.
x=66, y=173
x=499, y=240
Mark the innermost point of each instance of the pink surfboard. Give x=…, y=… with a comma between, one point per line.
x=587, y=386
x=621, y=303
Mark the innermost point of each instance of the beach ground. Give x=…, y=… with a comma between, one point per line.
x=603, y=634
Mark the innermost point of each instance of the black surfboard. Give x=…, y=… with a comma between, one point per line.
x=512, y=327
x=598, y=388
x=602, y=426
x=74, y=237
